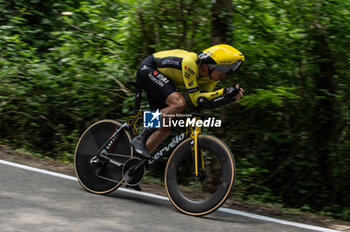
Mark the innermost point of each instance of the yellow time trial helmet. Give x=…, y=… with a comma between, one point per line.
x=222, y=57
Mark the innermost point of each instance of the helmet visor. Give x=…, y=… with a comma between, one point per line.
x=227, y=68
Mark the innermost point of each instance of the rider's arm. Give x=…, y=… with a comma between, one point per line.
x=190, y=73
x=226, y=98
x=208, y=86
x=209, y=98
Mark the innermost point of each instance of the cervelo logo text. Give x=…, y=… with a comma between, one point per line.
x=167, y=148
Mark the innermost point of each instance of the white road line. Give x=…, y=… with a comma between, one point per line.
x=226, y=210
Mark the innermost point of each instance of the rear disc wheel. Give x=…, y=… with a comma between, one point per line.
x=88, y=146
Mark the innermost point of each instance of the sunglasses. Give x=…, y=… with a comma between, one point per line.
x=227, y=68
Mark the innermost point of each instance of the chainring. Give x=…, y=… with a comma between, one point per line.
x=133, y=177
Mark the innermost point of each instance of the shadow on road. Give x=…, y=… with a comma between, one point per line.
x=215, y=216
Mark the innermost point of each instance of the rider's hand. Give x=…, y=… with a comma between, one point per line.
x=234, y=92
x=240, y=94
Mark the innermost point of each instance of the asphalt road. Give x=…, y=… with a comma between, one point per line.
x=31, y=201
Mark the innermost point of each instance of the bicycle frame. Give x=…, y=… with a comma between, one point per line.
x=132, y=126
x=168, y=148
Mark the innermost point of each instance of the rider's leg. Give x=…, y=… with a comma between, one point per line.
x=150, y=138
x=176, y=104
x=162, y=94
x=139, y=142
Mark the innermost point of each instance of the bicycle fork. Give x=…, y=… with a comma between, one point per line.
x=197, y=154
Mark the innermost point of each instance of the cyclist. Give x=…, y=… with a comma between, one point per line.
x=160, y=73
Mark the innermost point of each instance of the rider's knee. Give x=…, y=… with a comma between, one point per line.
x=181, y=104
x=177, y=101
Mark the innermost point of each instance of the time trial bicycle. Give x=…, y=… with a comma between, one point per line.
x=199, y=174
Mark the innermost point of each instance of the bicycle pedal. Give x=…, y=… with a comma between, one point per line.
x=136, y=187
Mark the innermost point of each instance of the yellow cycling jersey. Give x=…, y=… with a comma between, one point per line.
x=182, y=68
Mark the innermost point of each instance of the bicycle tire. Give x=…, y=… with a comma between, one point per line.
x=174, y=172
x=88, y=145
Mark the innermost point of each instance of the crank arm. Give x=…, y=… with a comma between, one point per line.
x=139, y=164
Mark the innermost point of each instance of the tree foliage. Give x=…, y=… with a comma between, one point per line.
x=64, y=65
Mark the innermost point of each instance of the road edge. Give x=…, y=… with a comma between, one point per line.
x=222, y=209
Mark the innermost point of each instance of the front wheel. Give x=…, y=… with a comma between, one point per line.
x=202, y=194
